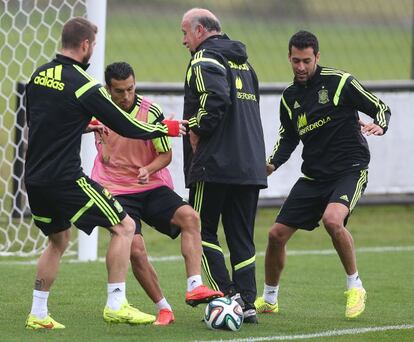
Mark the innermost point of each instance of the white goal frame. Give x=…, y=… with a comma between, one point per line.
x=96, y=12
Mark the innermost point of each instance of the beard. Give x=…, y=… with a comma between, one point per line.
x=87, y=56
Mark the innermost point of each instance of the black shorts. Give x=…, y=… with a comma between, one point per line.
x=81, y=202
x=155, y=207
x=308, y=199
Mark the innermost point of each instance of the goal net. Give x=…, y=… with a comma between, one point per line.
x=30, y=35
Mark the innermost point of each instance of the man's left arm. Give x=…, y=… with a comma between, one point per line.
x=368, y=103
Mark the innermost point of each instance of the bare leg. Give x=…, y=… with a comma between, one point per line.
x=189, y=221
x=119, y=250
x=143, y=270
x=48, y=264
x=333, y=220
x=275, y=257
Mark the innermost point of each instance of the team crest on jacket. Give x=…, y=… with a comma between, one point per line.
x=323, y=96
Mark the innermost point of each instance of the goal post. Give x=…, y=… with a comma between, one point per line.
x=96, y=13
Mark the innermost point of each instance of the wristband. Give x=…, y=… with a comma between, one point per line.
x=94, y=122
x=173, y=127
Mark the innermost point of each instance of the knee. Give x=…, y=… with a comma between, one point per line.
x=188, y=220
x=126, y=227
x=276, y=237
x=60, y=241
x=332, y=224
x=138, y=253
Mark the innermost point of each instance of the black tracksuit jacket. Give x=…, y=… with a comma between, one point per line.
x=222, y=105
x=323, y=114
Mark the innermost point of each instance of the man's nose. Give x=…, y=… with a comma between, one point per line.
x=301, y=67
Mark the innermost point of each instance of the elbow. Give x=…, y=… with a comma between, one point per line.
x=167, y=157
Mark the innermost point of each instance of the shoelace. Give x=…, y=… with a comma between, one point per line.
x=353, y=298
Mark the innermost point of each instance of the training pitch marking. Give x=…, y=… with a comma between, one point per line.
x=328, y=333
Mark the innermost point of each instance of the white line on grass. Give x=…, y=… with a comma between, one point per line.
x=328, y=333
x=384, y=249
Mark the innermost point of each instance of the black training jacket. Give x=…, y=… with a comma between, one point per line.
x=61, y=99
x=222, y=105
x=323, y=114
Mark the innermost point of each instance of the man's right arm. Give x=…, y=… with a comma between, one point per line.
x=98, y=103
x=287, y=141
x=207, y=77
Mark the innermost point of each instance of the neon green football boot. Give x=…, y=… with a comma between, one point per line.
x=127, y=314
x=32, y=322
x=355, y=303
x=264, y=307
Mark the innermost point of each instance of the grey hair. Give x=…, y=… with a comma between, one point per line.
x=211, y=24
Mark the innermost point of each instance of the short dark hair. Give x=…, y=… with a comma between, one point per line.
x=118, y=71
x=76, y=30
x=302, y=40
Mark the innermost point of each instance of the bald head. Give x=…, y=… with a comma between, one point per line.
x=197, y=25
x=203, y=17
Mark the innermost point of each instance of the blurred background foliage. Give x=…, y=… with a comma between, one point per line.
x=370, y=38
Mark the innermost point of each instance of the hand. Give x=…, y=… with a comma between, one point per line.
x=176, y=128
x=270, y=168
x=98, y=127
x=370, y=128
x=194, y=138
x=183, y=127
x=143, y=175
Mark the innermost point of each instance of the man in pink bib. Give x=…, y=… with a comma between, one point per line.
x=135, y=172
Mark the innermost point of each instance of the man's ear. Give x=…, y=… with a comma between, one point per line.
x=84, y=45
x=199, y=31
x=318, y=55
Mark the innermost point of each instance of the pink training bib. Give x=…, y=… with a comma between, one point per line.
x=118, y=160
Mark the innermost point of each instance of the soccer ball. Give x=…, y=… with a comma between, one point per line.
x=223, y=313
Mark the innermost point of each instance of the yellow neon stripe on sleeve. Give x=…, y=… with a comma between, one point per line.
x=208, y=60
x=199, y=79
x=287, y=107
x=203, y=100
x=339, y=89
x=276, y=147
x=82, y=90
x=143, y=125
x=84, y=73
x=380, y=116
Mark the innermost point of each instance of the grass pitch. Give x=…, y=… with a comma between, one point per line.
x=311, y=293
